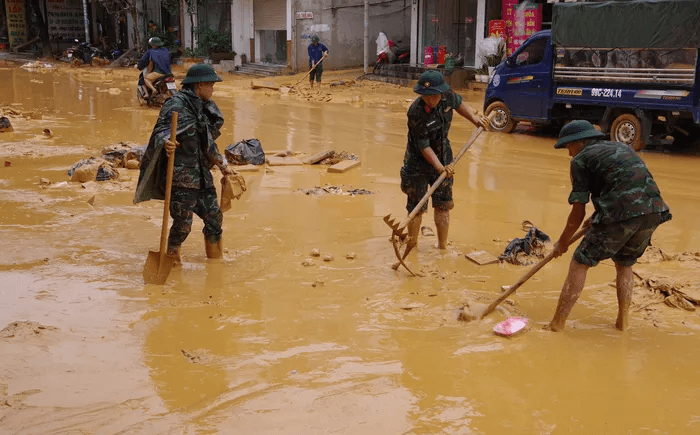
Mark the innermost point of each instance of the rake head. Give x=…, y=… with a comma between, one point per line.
x=396, y=228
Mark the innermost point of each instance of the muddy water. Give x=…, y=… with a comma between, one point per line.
x=249, y=346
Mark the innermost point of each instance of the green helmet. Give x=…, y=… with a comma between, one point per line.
x=576, y=130
x=201, y=73
x=431, y=83
x=155, y=41
x=315, y=38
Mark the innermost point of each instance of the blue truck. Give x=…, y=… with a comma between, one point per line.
x=630, y=67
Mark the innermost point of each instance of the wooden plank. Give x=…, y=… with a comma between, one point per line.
x=246, y=168
x=344, y=166
x=283, y=161
x=264, y=85
x=313, y=159
x=482, y=258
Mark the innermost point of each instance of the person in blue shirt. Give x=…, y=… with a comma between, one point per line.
x=157, y=59
x=316, y=53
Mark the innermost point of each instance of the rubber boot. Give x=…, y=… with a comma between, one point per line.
x=214, y=250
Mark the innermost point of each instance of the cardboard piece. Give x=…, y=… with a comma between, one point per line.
x=264, y=85
x=313, y=159
x=343, y=166
x=283, y=161
x=482, y=258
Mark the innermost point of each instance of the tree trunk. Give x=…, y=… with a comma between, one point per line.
x=43, y=29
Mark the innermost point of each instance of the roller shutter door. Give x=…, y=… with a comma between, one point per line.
x=270, y=14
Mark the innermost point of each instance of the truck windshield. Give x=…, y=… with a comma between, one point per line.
x=532, y=54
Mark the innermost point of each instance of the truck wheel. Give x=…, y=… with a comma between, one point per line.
x=627, y=129
x=501, y=121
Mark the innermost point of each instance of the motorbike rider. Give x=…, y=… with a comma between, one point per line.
x=157, y=59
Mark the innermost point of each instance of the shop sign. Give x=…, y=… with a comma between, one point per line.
x=66, y=20
x=304, y=15
x=522, y=20
x=16, y=22
x=497, y=28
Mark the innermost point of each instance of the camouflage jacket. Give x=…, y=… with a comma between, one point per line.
x=617, y=180
x=429, y=128
x=198, y=126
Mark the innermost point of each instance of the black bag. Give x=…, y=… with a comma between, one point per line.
x=245, y=152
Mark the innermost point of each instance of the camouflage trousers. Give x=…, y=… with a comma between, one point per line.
x=623, y=241
x=186, y=202
x=415, y=184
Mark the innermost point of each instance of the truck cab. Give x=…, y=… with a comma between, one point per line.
x=520, y=86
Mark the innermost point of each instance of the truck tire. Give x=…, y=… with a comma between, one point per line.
x=627, y=129
x=501, y=122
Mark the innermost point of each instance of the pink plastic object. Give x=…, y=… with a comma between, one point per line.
x=510, y=326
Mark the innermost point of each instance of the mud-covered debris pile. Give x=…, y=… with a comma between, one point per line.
x=24, y=328
x=11, y=112
x=334, y=190
x=124, y=155
x=103, y=168
x=92, y=169
x=683, y=295
x=655, y=254
x=337, y=158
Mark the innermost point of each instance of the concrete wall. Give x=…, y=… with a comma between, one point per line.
x=340, y=25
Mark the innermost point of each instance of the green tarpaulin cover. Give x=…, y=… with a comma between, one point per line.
x=627, y=24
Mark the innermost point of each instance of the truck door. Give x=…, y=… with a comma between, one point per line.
x=527, y=78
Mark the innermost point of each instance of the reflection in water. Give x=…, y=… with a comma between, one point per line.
x=369, y=350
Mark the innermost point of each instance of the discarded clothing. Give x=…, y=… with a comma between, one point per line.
x=518, y=250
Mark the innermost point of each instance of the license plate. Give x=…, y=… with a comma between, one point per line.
x=171, y=86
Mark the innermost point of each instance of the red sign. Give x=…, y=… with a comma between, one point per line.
x=497, y=28
x=522, y=20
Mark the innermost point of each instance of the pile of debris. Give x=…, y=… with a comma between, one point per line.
x=677, y=295
x=103, y=168
x=528, y=249
x=337, y=158
x=334, y=190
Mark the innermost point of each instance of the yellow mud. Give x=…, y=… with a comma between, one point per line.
x=261, y=344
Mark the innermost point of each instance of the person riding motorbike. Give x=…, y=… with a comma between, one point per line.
x=157, y=59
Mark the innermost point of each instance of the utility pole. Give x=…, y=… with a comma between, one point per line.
x=85, y=22
x=366, y=36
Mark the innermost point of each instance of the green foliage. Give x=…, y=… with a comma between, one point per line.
x=172, y=6
x=212, y=41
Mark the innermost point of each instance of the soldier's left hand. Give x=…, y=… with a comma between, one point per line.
x=560, y=249
x=450, y=170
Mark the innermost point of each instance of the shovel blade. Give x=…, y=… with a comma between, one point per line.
x=155, y=272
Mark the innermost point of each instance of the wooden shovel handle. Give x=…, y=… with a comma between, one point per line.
x=440, y=179
x=528, y=275
x=309, y=72
x=168, y=190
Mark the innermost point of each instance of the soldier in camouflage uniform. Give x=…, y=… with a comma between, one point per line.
x=628, y=208
x=196, y=153
x=428, y=152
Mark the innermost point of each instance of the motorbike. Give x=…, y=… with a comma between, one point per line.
x=165, y=88
x=390, y=55
x=84, y=54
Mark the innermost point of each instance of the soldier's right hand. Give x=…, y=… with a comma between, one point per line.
x=170, y=147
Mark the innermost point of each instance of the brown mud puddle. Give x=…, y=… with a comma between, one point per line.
x=249, y=345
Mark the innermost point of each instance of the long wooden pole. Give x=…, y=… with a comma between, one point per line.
x=527, y=276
